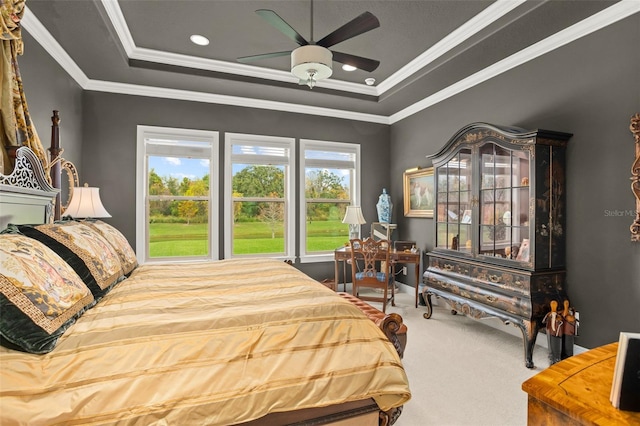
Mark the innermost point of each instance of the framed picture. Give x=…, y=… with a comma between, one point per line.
x=419, y=192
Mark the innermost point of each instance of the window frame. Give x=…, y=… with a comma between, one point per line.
x=289, y=191
x=142, y=187
x=355, y=192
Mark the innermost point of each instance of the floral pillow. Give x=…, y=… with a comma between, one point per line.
x=84, y=249
x=119, y=243
x=40, y=295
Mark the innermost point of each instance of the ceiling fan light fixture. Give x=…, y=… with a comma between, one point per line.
x=311, y=63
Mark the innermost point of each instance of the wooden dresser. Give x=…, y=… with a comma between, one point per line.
x=576, y=391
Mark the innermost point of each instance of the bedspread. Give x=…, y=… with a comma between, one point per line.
x=204, y=343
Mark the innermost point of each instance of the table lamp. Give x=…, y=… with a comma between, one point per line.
x=85, y=203
x=353, y=216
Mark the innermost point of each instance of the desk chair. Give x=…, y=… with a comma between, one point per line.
x=370, y=268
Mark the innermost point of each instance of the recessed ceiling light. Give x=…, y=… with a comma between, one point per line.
x=199, y=40
x=349, y=67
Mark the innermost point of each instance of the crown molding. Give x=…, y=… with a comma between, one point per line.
x=120, y=24
x=31, y=23
x=455, y=38
x=211, y=98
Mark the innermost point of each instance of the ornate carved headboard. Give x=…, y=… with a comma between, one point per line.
x=33, y=183
x=25, y=195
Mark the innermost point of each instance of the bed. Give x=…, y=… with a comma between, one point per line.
x=238, y=341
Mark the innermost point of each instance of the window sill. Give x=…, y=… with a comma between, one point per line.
x=316, y=258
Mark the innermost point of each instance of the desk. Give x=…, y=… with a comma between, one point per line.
x=343, y=254
x=575, y=391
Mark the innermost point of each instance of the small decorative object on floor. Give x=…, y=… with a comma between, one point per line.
x=384, y=207
x=561, y=329
x=569, y=330
x=553, y=321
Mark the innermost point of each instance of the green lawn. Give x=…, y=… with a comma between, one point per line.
x=178, y=239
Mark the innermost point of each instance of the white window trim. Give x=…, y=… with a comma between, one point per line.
x=306, y=144
x=142, y=229
x=277, y=141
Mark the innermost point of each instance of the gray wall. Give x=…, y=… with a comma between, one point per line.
x=590, y=88
x=48, y=87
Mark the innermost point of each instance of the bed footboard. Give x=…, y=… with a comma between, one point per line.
x=390, y=324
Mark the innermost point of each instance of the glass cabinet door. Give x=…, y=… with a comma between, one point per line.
x=454, y=211
x=504, y=202
x=520, y=206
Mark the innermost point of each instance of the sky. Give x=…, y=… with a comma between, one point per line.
x=179, y=168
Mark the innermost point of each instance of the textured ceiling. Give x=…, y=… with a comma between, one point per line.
x=163, y=57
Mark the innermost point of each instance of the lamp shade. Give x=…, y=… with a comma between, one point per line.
x=85, y=202
x=311, y=63
x=353, y=216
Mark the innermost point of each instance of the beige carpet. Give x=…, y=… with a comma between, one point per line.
x=463, y=371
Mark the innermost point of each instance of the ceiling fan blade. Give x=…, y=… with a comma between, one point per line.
x=281, y=25
x=363, y=23
x=357, y=61
x=252, y=58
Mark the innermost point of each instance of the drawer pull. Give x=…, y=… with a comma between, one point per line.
x=448, y=267
x=495, y=278
x=492, y=299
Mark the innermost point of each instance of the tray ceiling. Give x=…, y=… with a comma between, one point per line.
x=428, y=49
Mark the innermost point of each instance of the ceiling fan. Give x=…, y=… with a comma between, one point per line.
x=312, y=61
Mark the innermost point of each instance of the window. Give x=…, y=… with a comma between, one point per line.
x=177, y=187
x=330, y=181
x=259, y=197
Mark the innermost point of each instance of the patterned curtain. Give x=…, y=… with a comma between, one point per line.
x=16, y=128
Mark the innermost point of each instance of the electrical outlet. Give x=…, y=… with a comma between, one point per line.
x=404, y=270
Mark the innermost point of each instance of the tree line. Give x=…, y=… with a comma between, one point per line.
x=252, y=181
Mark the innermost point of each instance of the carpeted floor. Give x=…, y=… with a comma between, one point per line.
x=462, y=371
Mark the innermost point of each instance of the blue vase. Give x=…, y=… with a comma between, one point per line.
x=384, y=207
